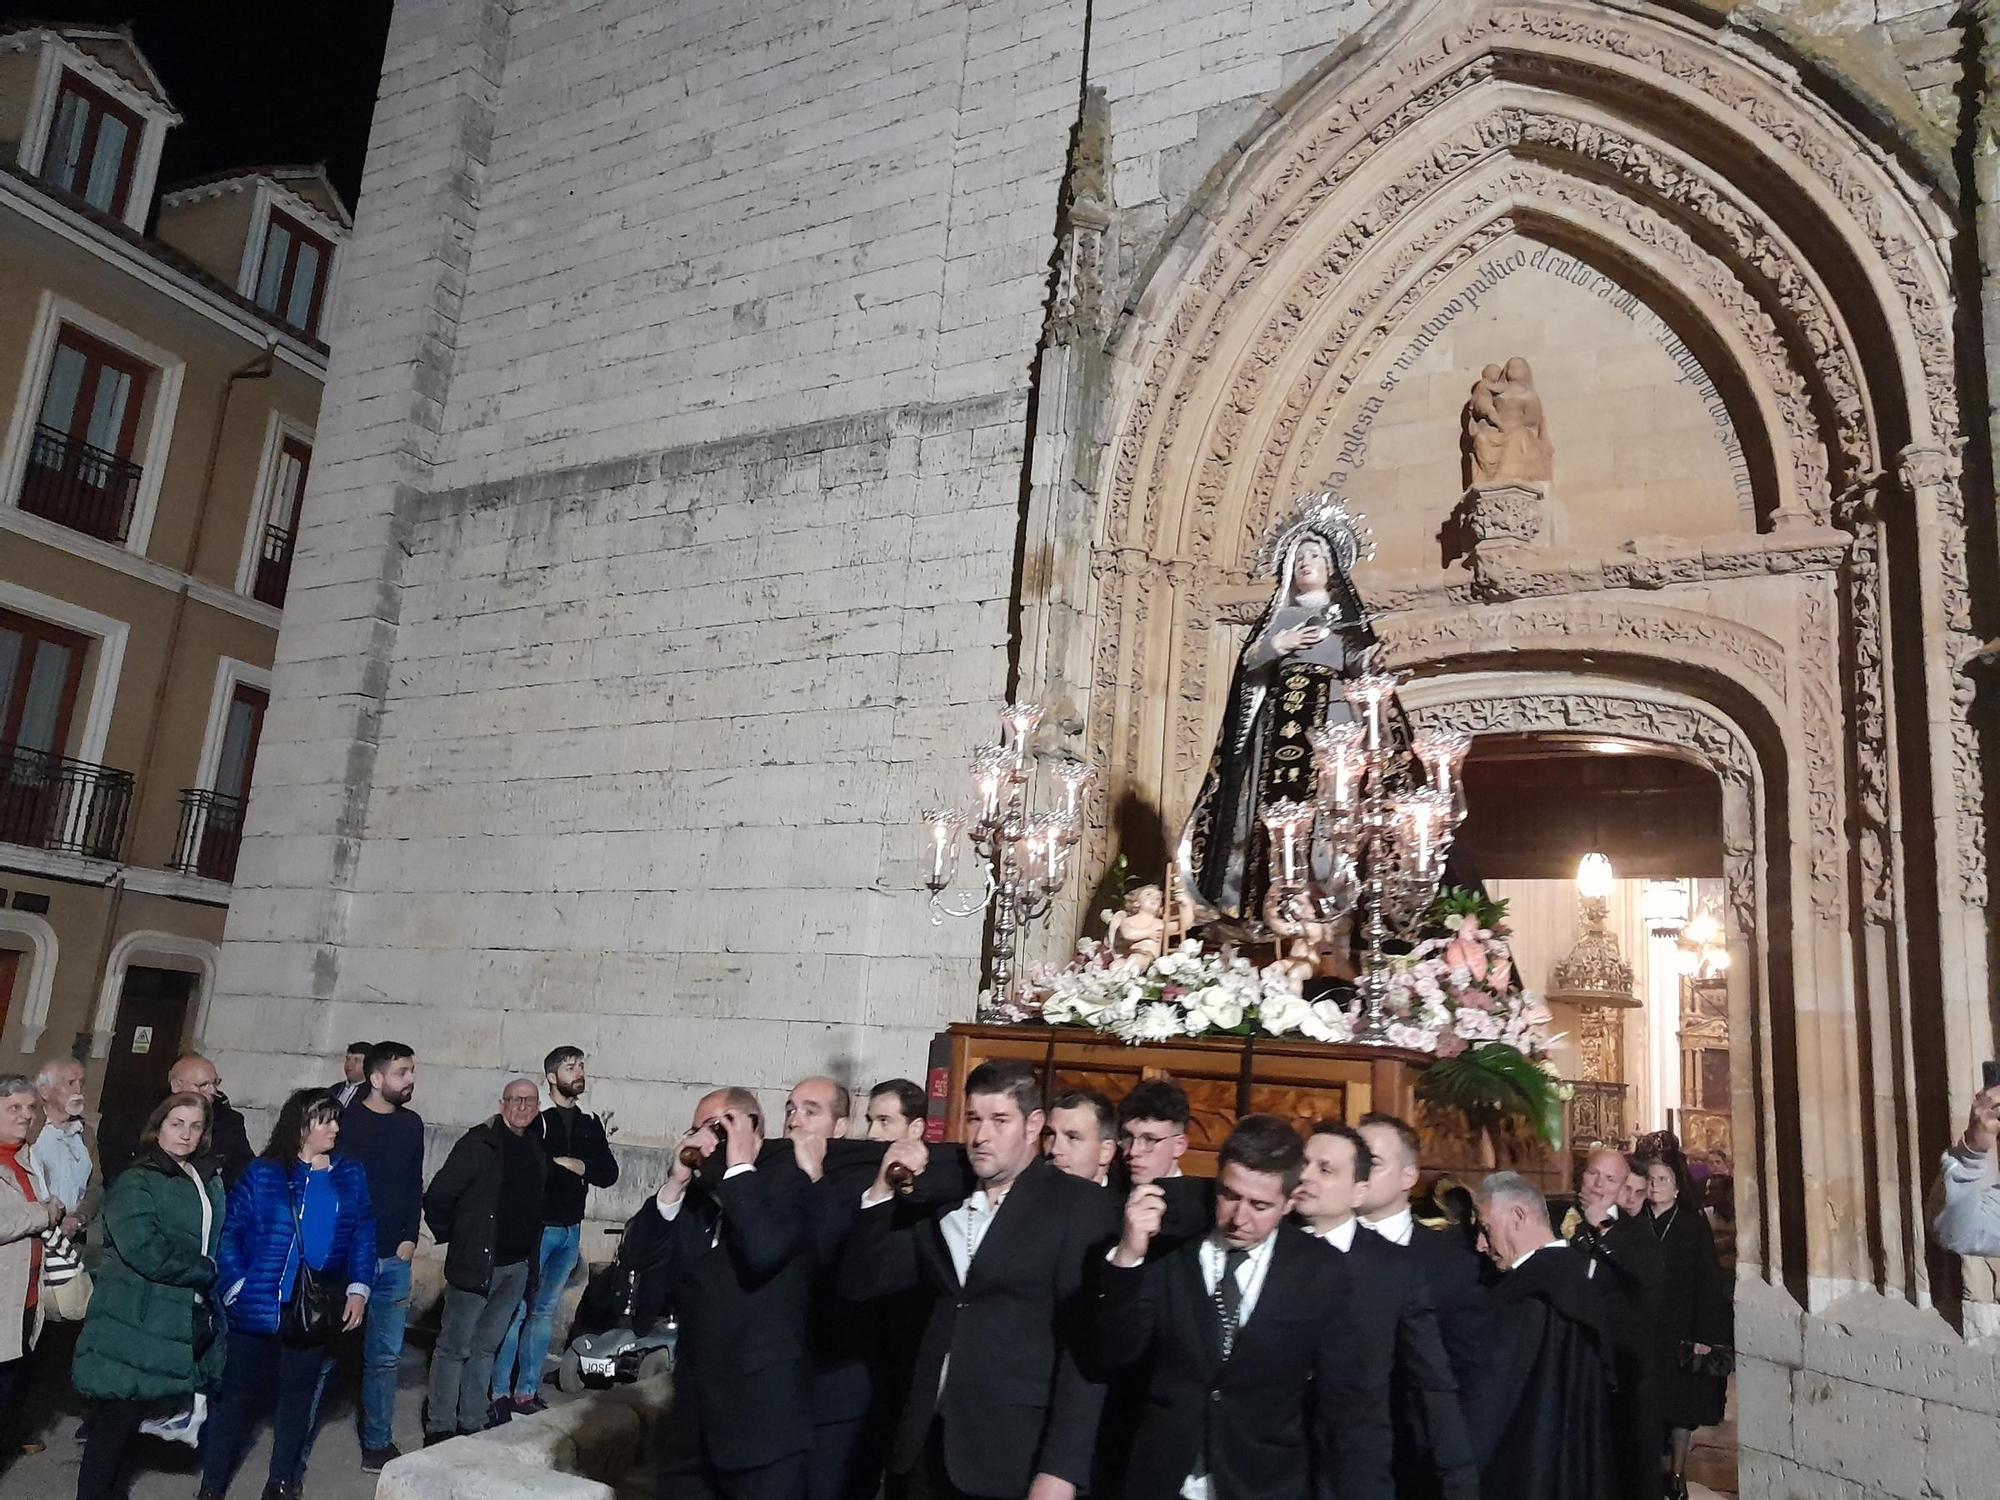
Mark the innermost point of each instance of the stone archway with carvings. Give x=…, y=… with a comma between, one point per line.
x=1689, y=172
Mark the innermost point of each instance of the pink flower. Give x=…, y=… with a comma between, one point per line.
x=1450, y=1044
x=1501, y=975
x=1476, y=1000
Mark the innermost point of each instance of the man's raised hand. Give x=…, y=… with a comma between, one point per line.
x=1145, y=1211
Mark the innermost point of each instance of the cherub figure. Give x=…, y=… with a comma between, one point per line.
x=1140, y=930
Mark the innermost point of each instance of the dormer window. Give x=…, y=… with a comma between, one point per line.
x=93, y=146
x=291, y=278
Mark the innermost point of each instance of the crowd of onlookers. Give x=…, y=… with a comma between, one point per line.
x=210, y=1287
x=1052, y=1307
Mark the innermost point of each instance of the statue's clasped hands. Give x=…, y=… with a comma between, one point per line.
x=1299, y=638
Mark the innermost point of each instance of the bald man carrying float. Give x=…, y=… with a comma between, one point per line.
x=729, y=1243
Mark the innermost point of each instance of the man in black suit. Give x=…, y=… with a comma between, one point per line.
x=998, y=1404
x=1625, y=1266
x=1451, y=1267
x=731, y=1243
x=1433, y=1456
x=1260, y=1384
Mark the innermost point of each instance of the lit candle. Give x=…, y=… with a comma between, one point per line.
x=1073, y=776
x=944, y=825
x=1020, y=720
x=989, y=772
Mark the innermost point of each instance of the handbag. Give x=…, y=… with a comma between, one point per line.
x=65, y=1284
x=311, y=1315
x=1718, y=1364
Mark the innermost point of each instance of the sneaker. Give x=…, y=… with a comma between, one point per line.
x=527, y=1406
x=432, y=1439
x=372, y=1459
x=499, y=1414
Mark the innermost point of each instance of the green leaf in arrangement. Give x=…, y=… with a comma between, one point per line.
x=1454, y=901
x=1495, y=1079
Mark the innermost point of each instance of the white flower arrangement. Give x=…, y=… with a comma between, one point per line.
x=1185, y=992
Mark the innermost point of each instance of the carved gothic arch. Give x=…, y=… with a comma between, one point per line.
x=1813, y=256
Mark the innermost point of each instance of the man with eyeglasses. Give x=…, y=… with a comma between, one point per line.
x=228, y=1137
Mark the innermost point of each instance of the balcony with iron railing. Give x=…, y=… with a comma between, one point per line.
x=76, y=485
x=211, y=835
x=274, y=567
x=61, y=805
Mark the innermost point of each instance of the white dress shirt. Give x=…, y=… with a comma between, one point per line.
x=1551, y=1245
x=1397, y=1228
x=1341, y=1236
x=1250, y=1281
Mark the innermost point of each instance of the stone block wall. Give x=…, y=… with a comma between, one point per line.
x=656, y=570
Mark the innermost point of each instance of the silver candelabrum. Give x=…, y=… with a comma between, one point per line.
x=1371, y=843
x=1022, y=856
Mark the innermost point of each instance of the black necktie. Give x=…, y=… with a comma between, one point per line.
x=1229, y=1297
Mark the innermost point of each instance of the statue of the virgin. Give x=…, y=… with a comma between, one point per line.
x=1288, y=681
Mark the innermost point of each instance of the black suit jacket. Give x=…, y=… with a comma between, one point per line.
x=1625, y=1268
x=1392, y=1301
x=1017, y=1403
x=742, y=1376
x=1300, y=1407
x=1453, y=1275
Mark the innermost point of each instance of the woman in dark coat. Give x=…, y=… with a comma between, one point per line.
x=1695, y=1312
x=151, y=1338
x=297, y=1211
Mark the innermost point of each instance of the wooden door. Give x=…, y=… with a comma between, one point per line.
x=152, y=1019
x=10, y=970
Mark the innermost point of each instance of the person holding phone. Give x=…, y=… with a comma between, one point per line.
x=1967, y=1215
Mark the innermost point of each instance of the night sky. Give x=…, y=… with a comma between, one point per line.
x=257, y=82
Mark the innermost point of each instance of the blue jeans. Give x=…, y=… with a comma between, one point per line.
x=381, y=1347
x=528, y=1335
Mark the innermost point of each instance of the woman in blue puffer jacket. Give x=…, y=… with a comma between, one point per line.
x=298, y=1211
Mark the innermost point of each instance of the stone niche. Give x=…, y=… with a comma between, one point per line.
x=1645, y=442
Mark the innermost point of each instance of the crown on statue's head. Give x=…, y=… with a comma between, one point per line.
x=1325, y=515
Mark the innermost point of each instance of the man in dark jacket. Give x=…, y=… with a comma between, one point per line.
x=731, y=1243
x=1262, y=1380
x=998, y=1403
x=1392, y=1304
x=1452, y=1271
x=580, y=1159
x=228, y=1138
x=1624, y=1265
x=485, y=1207
x=1540, y=1414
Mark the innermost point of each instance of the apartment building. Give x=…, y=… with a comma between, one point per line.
x=162, y=356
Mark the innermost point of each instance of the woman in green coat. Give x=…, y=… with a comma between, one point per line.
x=152, y=1337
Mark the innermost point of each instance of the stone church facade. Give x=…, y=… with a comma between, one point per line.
x=735, y=403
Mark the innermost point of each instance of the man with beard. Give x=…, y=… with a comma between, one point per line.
x=580, y=1159
x=1625, y=1265
x=1391, y=1306
x=998, y=1403
x=1539, y=1416
x=386, y=1136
